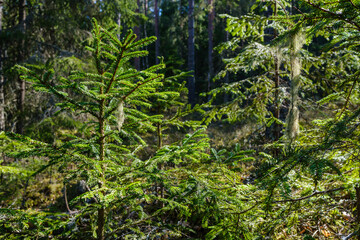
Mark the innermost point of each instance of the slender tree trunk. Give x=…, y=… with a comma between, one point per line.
x=191, y=54
x=227, y=38
x=101, y=211
x=137, y=32
x=292, y=121
x=157, y=34
x=357, y=190
x=21, y=57
x=160, y=144
x=2, y=81
x=101, y=224
x=277, y=92
x=145, y=33
x=226, y=97
x=181, y=49
x=277, y=128
x=211, y=17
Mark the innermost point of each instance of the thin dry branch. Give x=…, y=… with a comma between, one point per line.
x=311, y=195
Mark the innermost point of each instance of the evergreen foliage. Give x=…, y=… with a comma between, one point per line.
x=106, y=156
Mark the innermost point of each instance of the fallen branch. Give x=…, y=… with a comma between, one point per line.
x=350, y=236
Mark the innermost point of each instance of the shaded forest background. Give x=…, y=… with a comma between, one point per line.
x=172, y=119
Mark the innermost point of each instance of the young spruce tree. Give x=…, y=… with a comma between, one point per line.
x=120, y=194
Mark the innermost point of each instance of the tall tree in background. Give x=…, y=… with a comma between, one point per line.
x=292, y=126
x=211, y=18
x=226, y=78
x=227, y=38
x=21, y=57
x=157, y=34
x=277, y=127
x=2, y=82
x=191, y=53
x=296, y=42
x=125, y=12
x=146, y=3
x=137, y=32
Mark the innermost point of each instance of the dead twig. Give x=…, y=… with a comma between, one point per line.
x=309, y=196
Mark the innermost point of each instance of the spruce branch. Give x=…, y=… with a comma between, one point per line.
x=338, y=16
x=52, y=88
x=349, y=94
x=115, y=70
x=159, y=76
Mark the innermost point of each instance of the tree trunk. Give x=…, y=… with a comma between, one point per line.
x=292, y=121
x=227, y=38
x=2, y=81
x=357, y=190
x=101, y=211
x=145, y=33
x=191, y=54
x=137, y=32
x=211, y=17
x=21, y=57
x=277, y=127
x=157, y=43
x=226, y=97
x=101, y=224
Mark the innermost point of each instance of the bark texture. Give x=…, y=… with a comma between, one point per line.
x=292, y=121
